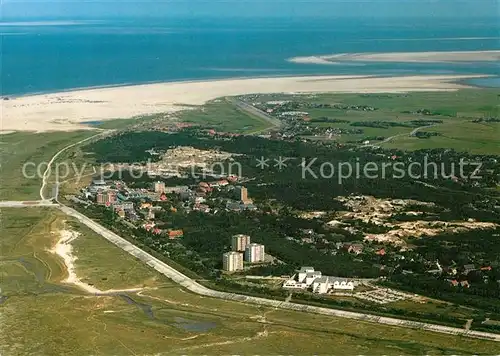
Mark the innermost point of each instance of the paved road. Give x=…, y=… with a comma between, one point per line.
x=197, y=288
x=388, y=139
x=414, y=132
x=27, y=204
x=46, y=174
x=256, y=112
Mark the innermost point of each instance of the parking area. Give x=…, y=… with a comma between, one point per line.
x=383, y=295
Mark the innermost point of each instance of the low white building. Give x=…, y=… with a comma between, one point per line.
x=307, y=277
x=342, y=284
x=293, y=284
x=325, y=284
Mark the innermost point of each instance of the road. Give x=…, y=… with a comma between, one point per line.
x=411, y=134
x=46, y=174
x=27, y=204
x=255, y=112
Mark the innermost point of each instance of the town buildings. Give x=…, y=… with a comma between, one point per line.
x=232, y=261
x=106, y=197
x=239, y=242
x=254, y=253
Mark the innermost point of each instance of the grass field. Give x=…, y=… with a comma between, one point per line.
x=45, y=317
x=17, y=149
x=455, y=109
x=463, y=135
x=223, y=116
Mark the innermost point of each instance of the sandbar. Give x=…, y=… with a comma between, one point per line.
x=402, y=57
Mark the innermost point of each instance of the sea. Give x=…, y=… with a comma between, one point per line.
x=50, y=56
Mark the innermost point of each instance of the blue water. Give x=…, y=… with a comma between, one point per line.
x=62, y=57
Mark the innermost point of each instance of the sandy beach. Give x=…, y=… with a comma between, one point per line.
x=67, y=111
x=402, y=57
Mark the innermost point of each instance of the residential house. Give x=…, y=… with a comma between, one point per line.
x=355, y=248
x=173, y=234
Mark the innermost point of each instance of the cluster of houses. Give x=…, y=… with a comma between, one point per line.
x=309, y=279
x=462, y=277
x=137, y=207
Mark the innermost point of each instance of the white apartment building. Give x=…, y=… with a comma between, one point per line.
x=239, y=242
x=232, y=261
x=254, y=253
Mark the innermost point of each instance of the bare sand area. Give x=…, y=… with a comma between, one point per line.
x=67, y=111
x=64, y=249
x=402, y=57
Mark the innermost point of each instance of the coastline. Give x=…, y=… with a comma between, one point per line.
x=69, y=110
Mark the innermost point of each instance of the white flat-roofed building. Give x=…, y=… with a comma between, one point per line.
x=293, y=284
x=342, y=284
x=232, y=261
x=321, y=285
x=307, y=277
x=254, y=253
x=239, y=242
x=324, y=284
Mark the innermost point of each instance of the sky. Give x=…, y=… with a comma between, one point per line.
x=95, y=9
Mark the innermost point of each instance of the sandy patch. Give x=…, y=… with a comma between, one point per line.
x=68, y=110
x=64, y=249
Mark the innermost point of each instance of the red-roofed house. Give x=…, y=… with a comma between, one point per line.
x=172, y=234
x=223, y=182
